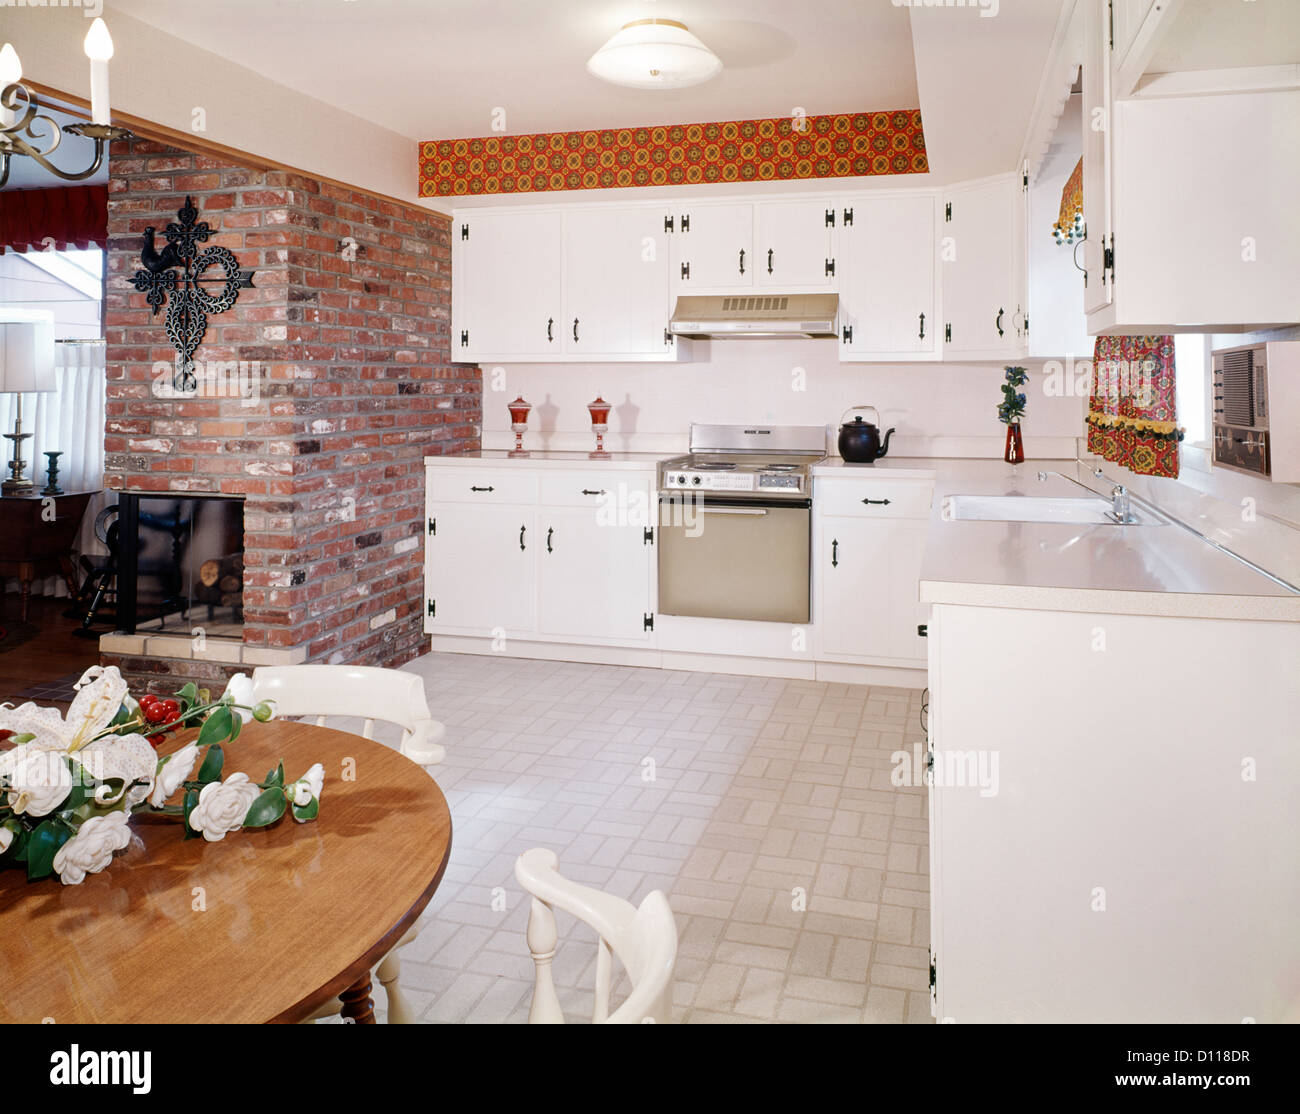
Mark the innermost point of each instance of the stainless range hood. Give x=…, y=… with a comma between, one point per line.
x=701, y=316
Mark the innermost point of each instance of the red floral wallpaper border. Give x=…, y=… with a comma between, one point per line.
x=779, y=149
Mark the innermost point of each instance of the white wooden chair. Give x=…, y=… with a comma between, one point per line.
x=644, y=940
x=360, y=692
x=357, y=692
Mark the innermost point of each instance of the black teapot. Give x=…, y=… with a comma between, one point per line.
x=860, y=441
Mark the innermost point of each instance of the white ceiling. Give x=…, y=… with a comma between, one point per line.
x=434, y=69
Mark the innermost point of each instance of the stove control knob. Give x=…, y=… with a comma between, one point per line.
x=681, y=479
x=695, y=480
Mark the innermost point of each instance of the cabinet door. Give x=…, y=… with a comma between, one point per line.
x=593, y=572
x=983, y=238
x=792, y=242
x=505, y=285
x=869, y=576
x=479, y=569
x=713, y=248
x=1097, y=110
x=885, y=260
x=616, y=283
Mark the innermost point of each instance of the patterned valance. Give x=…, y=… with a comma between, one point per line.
x=1131, y=415
x=1069, y=222
x=777, y=149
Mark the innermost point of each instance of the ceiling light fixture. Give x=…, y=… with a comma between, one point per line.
x=654, y=54
x=21, y=115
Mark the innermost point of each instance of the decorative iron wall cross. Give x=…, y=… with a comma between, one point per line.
x=181, y=270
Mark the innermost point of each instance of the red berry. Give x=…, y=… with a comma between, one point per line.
x=148, y=700
x=171, y=710
x=154, y=713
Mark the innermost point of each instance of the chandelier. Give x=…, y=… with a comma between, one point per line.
x=26, y=130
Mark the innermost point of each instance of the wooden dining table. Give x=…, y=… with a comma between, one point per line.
x=265, y=925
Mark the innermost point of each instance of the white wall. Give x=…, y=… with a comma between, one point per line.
x=24, y=286
x=939, y=409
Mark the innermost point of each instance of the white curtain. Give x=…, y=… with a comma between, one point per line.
x=71, y=419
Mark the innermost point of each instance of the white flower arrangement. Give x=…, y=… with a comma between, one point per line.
x=69, y=786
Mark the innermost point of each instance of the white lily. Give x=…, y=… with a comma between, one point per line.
x=100, y=693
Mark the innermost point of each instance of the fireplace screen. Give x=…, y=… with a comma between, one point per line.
x=182, y=564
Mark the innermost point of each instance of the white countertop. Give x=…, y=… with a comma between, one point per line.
x=498, y=457
x=1122, y=570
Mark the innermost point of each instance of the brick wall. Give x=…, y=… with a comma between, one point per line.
x=355, y=384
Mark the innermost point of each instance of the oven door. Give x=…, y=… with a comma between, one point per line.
x=723, y=557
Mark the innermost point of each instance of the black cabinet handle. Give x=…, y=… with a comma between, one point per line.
x=550, y=324
x=549, y=534
x=521, y=536
x=876, y=502
x=742, y=261
x=588, y=491
x=575, y=328
x=997, y=321
x=482, y=488
x=835, y=554
x=921, y=335
x=769, y=261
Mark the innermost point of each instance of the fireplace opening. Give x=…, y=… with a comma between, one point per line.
x=181, y=564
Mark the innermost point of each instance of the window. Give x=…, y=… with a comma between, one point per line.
x=1192, y=383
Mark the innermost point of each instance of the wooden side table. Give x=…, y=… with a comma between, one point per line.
x=35, y=542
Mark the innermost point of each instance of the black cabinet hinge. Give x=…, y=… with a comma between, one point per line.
x=830, y=266
x=668, y=337
x=934, y=975
x=686, y=270
x=947, y=211
x=433, y=608
x=647, y=622
x=847, y=333
x=648, y=535
x=848, y=217
x=686, y=222
x=830, y=218
x=923, y=629
x=947, y=333
x=464, y=338
x=1108, y=260
x=433, y=526
x=464, y=231
x=668, y=224
x=1110, y=27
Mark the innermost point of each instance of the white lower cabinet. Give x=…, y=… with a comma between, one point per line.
x=541, y=568
x=478, y=564
x=868, y=569
x=593, y=575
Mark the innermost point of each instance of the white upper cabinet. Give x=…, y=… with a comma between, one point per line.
x=792, y=242
x=982, y=257
x=506, y=284
x=616, y=290
x=712, y=248
x=1096, y=154
x=886, y=270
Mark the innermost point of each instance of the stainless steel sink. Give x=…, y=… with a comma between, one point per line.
x=1028, y=508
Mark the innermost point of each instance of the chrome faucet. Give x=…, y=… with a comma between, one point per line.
x=1121, y=509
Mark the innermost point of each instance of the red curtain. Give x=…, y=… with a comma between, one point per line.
x=72, y=217
x=1131, y=415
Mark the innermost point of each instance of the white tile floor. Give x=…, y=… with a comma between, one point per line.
x=734, y=795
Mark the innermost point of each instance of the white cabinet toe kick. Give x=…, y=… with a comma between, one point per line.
x=532, y=560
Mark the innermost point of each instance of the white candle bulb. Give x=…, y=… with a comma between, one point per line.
x=11, y=72
x=99, y=49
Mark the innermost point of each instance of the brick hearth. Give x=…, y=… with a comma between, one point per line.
x=356, y=387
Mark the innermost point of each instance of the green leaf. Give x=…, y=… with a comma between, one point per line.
x=191, y=799
x=188, y=694
x=216, y=728
x=236, y=724
x=267, y=809
x=213, y=763
x=274, y=777
x=43, y=845
x=307, y=811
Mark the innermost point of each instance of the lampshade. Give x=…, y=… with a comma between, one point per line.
x=26, y=351
x=654, y=54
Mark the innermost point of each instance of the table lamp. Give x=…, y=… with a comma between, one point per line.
x=26, y=366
